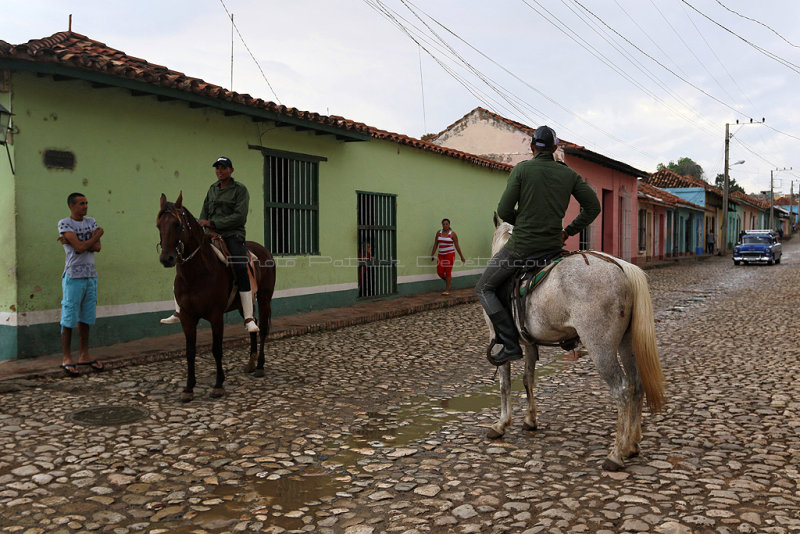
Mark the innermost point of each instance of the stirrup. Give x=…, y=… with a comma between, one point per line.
x=491, y=357
x=172, y=319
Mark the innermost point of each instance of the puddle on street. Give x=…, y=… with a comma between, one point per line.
x=688, y=302
x=285, y=500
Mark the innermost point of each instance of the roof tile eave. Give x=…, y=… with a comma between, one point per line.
x=79, y=52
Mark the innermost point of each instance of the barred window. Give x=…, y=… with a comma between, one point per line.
x=585, y=239
x=291, y=202
x=377, y=244
x=642, y=230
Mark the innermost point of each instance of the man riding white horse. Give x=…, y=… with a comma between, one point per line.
x=535, y=200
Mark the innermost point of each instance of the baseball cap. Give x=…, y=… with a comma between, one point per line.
x=545, y=136
x=223, y=161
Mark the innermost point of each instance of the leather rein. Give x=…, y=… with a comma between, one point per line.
x=185, y=226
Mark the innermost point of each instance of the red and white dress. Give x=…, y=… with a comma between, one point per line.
x=447, y=254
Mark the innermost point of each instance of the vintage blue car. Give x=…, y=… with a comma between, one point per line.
x=757, y=246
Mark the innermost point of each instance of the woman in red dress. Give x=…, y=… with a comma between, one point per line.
x=446, y=241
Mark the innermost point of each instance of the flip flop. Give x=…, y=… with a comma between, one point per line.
x=94, y=364
x=70, y=369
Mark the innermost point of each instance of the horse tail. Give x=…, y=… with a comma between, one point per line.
x=644, y=338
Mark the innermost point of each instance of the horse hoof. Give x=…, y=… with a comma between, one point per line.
x=258, y=373
x=217, y=393
x=611, y=465
x=186, y=396
x=634, y=453
x=493, y=434
x=529, y=428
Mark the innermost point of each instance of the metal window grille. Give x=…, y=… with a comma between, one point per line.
x=377, y=244
x=585, y=238
x=642, y=237
x=291, y=221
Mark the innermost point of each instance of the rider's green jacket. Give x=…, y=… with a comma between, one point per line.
x=226, y=208
x=536, y=199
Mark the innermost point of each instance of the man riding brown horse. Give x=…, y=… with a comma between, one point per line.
x=225, y=212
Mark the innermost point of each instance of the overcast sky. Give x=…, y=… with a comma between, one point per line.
x=641, y=81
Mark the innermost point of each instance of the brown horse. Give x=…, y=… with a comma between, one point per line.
x=204, y=285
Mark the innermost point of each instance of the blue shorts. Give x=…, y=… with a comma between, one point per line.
x=79, y=302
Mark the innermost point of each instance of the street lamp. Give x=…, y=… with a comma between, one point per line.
x=5, y=127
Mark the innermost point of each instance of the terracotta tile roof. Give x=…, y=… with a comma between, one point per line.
x=666, y=178
x=652, y=192
x=569, y=147
x=78, y=52
x=748, y=199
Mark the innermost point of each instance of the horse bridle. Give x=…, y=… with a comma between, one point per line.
x=185, y=225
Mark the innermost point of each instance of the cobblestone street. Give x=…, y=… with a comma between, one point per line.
x=382, y=427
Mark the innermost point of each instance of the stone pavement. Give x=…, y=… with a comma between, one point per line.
x=381, y=428
x=173, y=345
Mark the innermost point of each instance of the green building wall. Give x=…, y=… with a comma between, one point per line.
x=130, y=149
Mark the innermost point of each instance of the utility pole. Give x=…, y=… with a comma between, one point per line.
x=723, y=231
x=726, y=186
x=791, y=203
x=772, y=197
x=771, y=203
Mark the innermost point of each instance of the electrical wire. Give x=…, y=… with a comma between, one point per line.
x=758, y=22
x=249, y=52
x=785, y=62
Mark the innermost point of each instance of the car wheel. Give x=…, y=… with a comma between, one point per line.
x=736, y=262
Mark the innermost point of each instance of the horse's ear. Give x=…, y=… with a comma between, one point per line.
x=496, y=220
x=179, y=202
x=163, y=200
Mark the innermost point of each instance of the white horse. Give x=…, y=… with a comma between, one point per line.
x=606, y=304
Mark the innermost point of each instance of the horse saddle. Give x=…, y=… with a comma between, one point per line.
x=531, y=272
x=221, y=250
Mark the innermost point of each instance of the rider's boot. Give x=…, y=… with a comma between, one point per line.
x=175, y=317
x=505, y=334
x=247, y=311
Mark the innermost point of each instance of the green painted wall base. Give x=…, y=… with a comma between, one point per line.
x=41, y=339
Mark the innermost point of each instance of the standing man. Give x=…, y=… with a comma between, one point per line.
x=710, y=242
x=446, y=241
x=225, y=212
x=80, y=236
x=535, y=200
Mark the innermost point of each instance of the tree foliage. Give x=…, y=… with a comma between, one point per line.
x=732, y=185
x=684, y=166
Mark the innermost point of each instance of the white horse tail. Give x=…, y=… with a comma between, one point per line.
x=644, y=338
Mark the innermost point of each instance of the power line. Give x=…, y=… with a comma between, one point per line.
x=230, y=16
x=785, y=62
x=662, y=65
x=711, y=49
x=435, y=21
x=758, y=22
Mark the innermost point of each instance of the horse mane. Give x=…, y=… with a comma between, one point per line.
x=502, y=233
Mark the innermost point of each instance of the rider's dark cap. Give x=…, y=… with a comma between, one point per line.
x=223, y=162
x=544, y=136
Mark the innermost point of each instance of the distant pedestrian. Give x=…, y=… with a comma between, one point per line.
x=710, y=242
x=446, y=241
x=80, y=236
